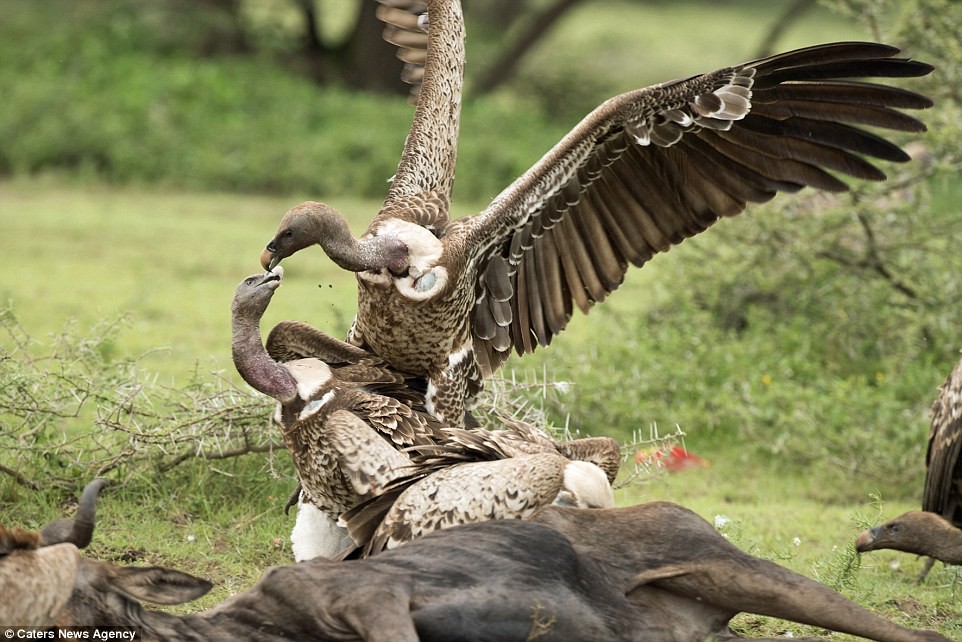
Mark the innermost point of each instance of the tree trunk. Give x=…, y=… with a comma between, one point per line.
x=371, y=63
x=501, y=70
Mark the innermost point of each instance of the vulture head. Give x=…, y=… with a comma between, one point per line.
x=313, y=223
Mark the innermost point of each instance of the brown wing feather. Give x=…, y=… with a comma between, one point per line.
x=511, y=488
x=405, y=29
x=943, y=478
x=520, y=469
x=603, y=452
x=653, y=167
x=427, y=161
x=292, y=340
x=366, y=460
x=393, y=419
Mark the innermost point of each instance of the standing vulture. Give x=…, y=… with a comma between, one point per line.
x=936, y=530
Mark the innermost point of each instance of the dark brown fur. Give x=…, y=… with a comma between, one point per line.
x=654, y=572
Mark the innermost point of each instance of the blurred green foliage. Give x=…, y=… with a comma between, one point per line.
x=131, y=91
x=104, y=96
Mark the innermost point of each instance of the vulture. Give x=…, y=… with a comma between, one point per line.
x=449, y=299
x=351, y=423
x=474, y=476
x=936, y=530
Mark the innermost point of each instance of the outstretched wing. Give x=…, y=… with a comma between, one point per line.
x=427, y=161
x=406, y=28
x=943, y=477
x=650, y=168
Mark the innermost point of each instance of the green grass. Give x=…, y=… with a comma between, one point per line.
x=165, y=262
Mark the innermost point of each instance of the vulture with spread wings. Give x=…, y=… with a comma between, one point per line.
x=449, y=300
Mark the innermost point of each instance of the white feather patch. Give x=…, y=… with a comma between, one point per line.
x=455, y=358
x=425, y=278
x=314, y=405
x=316, y=534
x=421, y=286
x=310, y=375
x=424, y=249
x=588, y=485
x=382, y=279
x=429, y=396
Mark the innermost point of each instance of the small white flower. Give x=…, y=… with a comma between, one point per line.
x=562, y=386
x=796, y=541
x=191, y=538
x=894, y=565
x=721, y=521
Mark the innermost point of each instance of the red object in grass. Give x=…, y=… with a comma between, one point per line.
x=675, y=460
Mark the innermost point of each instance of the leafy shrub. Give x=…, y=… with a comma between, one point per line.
x=109, y=100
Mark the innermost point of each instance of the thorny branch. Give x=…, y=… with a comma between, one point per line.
x=135, y=427
x=46, y=398
x=20, y=479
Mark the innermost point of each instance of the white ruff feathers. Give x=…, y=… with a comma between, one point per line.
x=315, y=534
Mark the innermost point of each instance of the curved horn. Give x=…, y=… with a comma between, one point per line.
x=78, y=531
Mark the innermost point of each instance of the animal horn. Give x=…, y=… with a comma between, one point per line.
x=78, y=531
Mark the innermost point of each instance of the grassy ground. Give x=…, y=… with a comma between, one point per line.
x=789, y=519
x=165, y=262
x=170, y=261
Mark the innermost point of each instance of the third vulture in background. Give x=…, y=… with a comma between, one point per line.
x=645, y=170
x=936, y=530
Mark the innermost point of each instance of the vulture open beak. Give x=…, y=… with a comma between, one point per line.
x=273, y=274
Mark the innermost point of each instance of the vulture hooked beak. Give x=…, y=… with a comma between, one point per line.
x=864, y=541
x=269, y=258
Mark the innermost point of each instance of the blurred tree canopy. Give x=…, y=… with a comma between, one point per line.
x=339, y=41
x=329, y=41
x=224, y=94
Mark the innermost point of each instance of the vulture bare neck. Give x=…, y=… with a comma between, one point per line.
x=430, y=151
